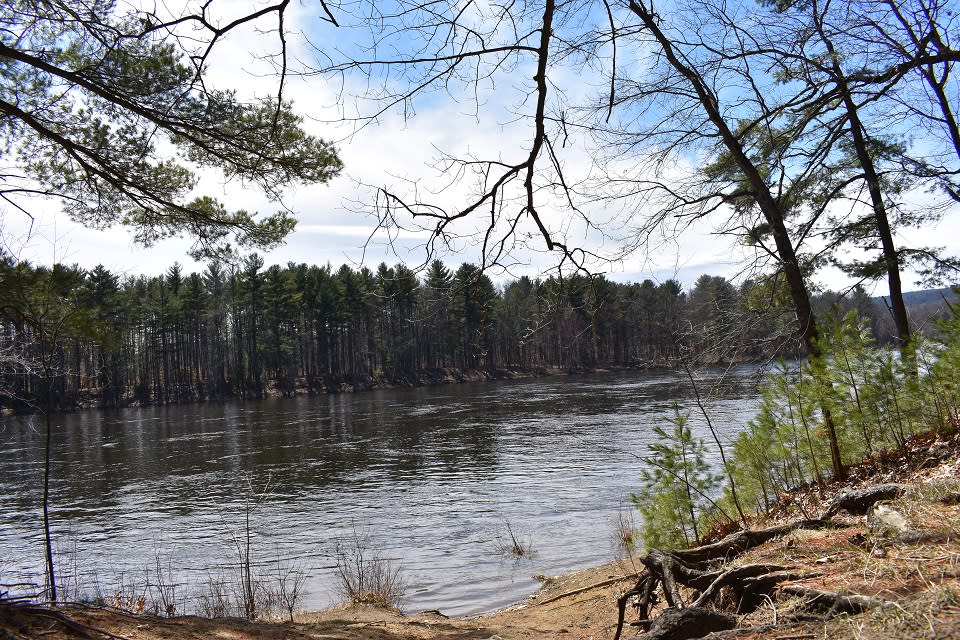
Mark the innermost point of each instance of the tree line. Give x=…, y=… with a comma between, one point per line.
x=811, y=131
x=85, y=337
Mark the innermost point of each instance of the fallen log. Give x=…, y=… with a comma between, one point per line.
x=858, y=501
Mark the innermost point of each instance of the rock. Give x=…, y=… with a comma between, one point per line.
x=884, y=520
x=950, y=499
x=687, y=624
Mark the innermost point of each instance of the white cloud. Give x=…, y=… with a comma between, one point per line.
x=335, y=225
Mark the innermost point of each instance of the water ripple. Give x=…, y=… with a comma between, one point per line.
x=434, y=475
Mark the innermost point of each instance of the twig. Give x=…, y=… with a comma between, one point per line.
x=596, y=585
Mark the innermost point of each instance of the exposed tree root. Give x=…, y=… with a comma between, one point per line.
x=748, y=583
x=744, y=588
x=30, y=614
x=741, y=541
x=759, y=631
x=690, y=622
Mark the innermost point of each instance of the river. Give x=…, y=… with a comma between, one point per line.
x=432, y=475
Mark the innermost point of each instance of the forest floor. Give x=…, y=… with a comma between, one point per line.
x=916, y=577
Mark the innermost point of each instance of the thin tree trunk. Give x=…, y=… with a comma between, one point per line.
x=865, y=159
x=771, y=211
x=47, y=537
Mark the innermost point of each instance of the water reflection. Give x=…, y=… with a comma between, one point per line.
x=435, y=473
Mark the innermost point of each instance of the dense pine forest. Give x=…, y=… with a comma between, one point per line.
x=93, y=338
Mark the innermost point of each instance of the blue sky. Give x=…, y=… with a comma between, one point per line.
x=335, y=226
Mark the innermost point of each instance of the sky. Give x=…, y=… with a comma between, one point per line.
x=334, y=224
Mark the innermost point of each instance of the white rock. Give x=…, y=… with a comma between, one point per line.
x=883, y=519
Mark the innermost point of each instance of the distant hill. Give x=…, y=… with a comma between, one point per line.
x=930, y=296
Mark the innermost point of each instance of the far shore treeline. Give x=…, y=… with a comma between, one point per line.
x=73, y=338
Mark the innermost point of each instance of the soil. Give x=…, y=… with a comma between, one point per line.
x=916, y=577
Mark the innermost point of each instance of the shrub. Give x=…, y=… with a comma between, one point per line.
x=365, y=576
x=514, y=544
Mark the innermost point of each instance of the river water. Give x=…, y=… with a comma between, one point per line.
x=432, y=475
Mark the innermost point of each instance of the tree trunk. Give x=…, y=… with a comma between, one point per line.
x=773, y=214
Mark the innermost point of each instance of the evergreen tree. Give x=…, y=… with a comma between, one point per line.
x=93, y=95
x=676, y=486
